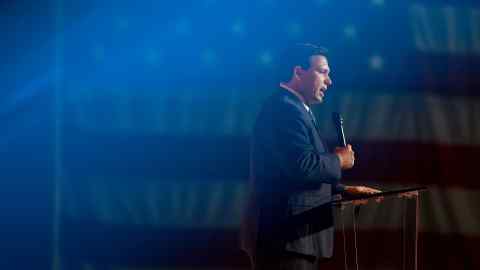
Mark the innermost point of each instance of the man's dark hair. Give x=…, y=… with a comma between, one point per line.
x=296, y=55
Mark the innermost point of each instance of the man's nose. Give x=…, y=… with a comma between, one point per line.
x=328, y=81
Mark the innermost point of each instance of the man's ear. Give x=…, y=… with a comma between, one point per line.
x=298, y=71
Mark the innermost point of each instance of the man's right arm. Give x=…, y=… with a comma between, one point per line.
x=298, y=157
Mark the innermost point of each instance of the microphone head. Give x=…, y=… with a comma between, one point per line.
x=338, y=123
x=337, y=119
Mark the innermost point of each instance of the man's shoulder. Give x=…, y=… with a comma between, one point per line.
x=282, y=100
x=280, y=109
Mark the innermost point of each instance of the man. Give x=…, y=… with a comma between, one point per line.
x=294, y=176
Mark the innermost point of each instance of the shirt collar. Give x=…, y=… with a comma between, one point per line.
x=284, y=86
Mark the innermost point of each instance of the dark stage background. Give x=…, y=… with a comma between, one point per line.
x=125, y=124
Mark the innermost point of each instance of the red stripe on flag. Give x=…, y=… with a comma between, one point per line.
x=415, y=163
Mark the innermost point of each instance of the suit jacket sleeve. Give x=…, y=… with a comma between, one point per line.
x=301, y=160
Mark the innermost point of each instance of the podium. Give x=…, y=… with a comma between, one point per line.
x=409, y=223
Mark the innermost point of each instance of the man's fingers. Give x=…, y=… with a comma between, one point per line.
x=371, y=190
x=367, y=190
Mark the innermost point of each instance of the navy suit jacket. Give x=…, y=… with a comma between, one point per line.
x=292, y=173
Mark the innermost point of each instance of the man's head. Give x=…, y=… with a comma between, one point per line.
x=313, y=78
x=313, y=81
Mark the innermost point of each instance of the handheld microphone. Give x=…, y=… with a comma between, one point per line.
x=338, y=123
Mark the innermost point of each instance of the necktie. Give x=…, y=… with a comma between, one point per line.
x=314, y=120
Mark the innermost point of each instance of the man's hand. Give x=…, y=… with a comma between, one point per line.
x=361, y=190
x=346, y=156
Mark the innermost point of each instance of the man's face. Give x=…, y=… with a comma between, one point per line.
x=315, y=80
